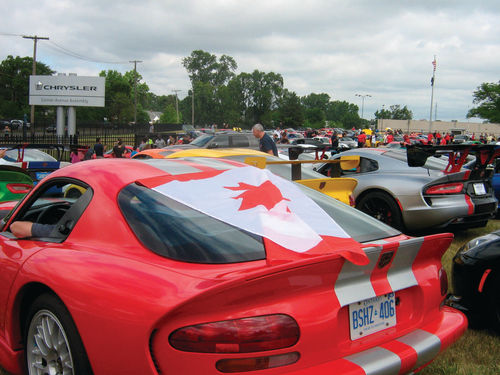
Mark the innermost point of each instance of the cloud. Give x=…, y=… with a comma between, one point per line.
x=383, y=48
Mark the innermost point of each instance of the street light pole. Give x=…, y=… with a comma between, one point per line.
x=363, y=102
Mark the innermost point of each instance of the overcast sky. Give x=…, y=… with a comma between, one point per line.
x=380, y=48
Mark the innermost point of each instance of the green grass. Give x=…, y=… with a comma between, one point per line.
x=477, y=351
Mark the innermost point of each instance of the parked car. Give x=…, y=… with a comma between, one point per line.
x=15, y=183
x=417, y=198
x=348, y=142
x=222, y=140
x=476, y=279
x=37, y=163
x=157, y=263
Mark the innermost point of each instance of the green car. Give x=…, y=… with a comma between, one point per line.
x=15, y=183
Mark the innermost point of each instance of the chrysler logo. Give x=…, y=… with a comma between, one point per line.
x=385, y=259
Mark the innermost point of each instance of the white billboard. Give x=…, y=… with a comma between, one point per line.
x=69, y=90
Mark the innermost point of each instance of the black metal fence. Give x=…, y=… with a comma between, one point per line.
x=86, y=135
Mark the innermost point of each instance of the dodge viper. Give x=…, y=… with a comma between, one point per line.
x=210, y=267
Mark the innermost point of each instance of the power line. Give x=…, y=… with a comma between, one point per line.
x=63, y=50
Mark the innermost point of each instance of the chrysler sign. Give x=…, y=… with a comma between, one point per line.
x=67, y=91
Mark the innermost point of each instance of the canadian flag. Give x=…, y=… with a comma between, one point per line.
x=262, y=203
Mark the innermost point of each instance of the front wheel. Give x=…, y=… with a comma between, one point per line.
x=52, y=342
x=381, y=206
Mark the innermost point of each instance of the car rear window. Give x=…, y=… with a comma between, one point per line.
x=358, y=225
x=173, y=230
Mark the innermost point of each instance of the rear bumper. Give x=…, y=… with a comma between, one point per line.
x=403, y=355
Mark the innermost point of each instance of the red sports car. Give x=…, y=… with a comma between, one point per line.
x=210, y=267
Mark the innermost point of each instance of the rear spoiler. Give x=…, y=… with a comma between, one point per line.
x=457, y=155
x=345, y=163
x=294, y=150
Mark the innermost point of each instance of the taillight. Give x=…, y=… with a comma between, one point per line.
x=452, y=188
x=443, y=280
x=244, y=335
x=19, y=188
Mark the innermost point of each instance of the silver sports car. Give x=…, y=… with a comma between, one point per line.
x=416, y=198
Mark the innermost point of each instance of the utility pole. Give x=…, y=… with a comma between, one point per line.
x=35, y=40
x=135, y=89
x=176, y=104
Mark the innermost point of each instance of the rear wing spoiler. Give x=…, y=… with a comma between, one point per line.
x=345, y=163
x=457, y=155
x=294, y=150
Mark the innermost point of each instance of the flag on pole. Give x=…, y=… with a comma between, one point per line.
x=434, y=64
x=432, y=81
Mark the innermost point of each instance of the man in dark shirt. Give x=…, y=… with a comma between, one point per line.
x=98, y=148
x=119, y=149
x=266, y=144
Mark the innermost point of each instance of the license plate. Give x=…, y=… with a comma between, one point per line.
x=40, y=175
x=372, y=315
x=479, y=189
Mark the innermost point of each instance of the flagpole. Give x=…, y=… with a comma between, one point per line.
x=432, y=92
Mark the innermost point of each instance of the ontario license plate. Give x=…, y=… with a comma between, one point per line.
x=372, y=315
x=479, y=189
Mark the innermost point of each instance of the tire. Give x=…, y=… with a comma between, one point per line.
x=381, y=206
x=48, y=322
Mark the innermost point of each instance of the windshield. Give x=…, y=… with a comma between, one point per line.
x=202, y=140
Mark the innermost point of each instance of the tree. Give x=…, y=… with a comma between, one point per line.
x=14, y=86
x=204, y=67
x=487, y=99
x=290, y=110
x=395, y=112
x=169, y=115
x=342, y=112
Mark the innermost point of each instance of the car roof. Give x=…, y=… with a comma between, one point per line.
x=122, y=171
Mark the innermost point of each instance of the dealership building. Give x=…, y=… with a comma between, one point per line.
x=423, y=126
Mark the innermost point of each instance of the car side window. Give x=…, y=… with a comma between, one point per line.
x=367, y=165
x=240, y=140
x=56, y=207
x=220, y=141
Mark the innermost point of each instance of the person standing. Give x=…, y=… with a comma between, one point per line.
x=118, y=149
x=266, y=144
x=98, y=148
x=361, y=139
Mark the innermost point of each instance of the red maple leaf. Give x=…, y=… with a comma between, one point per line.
x=266, y=194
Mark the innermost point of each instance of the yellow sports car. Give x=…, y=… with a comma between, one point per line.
x=338, y=188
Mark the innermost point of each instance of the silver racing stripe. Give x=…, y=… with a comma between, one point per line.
x=377, y=361
x=353, y=283
x=425, y=344
x=400, y=275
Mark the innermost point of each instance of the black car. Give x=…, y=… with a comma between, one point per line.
x=476, y=279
